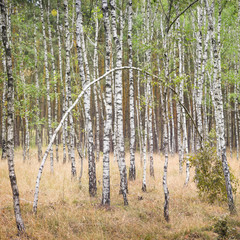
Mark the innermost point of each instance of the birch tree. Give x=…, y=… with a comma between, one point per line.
x=10, y=123
x=47, y=82
x=217, y=98
x=82, y=55
x=4, y=92
x=108, y=98
x=132, y=169
x=38, y=127
x=69, y=91
x=118, y=79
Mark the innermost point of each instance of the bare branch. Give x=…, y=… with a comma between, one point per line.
x=180, y=15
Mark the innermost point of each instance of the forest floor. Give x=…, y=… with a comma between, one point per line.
x=65, y=210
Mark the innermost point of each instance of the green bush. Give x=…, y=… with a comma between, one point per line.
x=209, y=175
x=226, y=228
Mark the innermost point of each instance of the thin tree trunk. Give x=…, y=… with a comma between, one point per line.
x=118, y=79
x=140, y=128
x=69, y=91
x=199, y=71
x=25, y=97
x=54, y=76
x=217, y=97
x=38, y=127
x=82, y=54
x=4, y=129
x=10, y=121
x=144, y=185
x=64, y=131
x=132, y=169
x=108, y=121
x=165, y=137
x=95, y=75
x=47, y=83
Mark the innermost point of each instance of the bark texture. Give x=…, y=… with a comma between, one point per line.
x=10, y=123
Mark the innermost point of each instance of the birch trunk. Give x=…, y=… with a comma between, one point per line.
x=86, y=80
x=54, y=75
x=118, y=79
x=69, y=91
x=27, y=137
x=132, y=169
x=47, y=83
x=217, y=96
x=165, y=137
x=108, y=121
x=4, y=129
x=64, y=131
x=199, y=71
x=144, y=186
x=140, y=128
x=38, y=127
x=165, y=134
x=236, y=119
x=95, y=75
x=10, y=123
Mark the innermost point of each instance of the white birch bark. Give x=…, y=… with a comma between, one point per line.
x=132, y=169
x=236, y=119
x=95, y=75
x=38, y=127
x=82, y=55
x=54, y=75
x=229, y=122
x=25, y=97
x=199, y=69
x=69, y=91
x=47, y=83
x=144, y=185
x=140, y=128
x=118, y=79
x=165, y=143
x=217, y=97
x=64, y=131
x=108, y=121
x=149, y=79
x=10, y=123
x=165, y=134
x=4, y=95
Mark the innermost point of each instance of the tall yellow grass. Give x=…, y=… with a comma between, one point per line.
x=65, y=210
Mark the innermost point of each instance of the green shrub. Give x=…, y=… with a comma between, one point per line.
x=209, y=175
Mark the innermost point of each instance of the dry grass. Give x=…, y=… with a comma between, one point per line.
x=66, y=211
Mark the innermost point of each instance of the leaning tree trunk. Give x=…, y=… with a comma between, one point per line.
x=10, y=123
